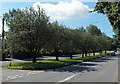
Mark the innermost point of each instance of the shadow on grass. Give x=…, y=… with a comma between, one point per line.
x=38, y=59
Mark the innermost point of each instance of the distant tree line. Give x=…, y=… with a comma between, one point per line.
x=32, y=32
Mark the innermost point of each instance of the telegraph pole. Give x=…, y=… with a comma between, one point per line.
x=3, y=57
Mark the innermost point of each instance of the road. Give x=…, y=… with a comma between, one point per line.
x=100, y=70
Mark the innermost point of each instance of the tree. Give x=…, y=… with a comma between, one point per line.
x=112, y=10
x=67, y=46
x=77, y=41
x=57, y=38
x=5, y=44
x=29, y=30
x=113, y=44
x=81, y=29
x=88, y=43
x=92, y=29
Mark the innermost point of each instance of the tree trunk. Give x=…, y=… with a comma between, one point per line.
x=57, y=55
x=105, y=52
x=94, y=53
x=118, y=35
x=33, y=57
x=82, y=55
x=57, y=59
x=89, y=54
x=86, y=54
x=3, y=57
x=71, y=57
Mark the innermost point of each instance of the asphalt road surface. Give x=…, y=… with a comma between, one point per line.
x=103, y=69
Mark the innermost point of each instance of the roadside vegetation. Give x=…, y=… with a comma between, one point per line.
x=112, y=11
x=33, y=35
x=49, y=64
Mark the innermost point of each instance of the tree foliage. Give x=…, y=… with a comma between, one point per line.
x=112, y=10
x=31, y=31
x=92, y=29
x=28, y=30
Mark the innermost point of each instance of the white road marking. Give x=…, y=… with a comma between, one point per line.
x=68, y=78
x=22, y=75
x=13, y=77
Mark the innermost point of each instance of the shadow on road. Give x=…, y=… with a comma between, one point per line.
x=80, y=67
x=104, y=59
x=83, y=67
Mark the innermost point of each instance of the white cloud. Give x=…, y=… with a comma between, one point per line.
x=64, y=10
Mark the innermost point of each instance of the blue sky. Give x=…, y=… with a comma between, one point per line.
x=99, y=20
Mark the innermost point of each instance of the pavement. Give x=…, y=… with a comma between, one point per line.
x=103, y=69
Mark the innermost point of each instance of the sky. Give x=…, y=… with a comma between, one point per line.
x=72, y=13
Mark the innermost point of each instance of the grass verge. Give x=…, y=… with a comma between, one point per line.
x=43, y=64
x=48, y=64
x=77, y=54
x=91, y=57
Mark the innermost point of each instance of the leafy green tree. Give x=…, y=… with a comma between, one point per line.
x=114, y=44
x=57, y=38
x=104, y=44
x=92, y=29
x=29, y=30
x=67, y=46
x=77, y=41
x=95, y=45
x=82, y=41
x=87, y=43
x=112, y=10
x=81, y=29
x=5, y=44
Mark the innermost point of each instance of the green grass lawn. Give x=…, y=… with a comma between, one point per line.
x=43, y=64
x=91, y=57
x=77, y=55
x=48, y=64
